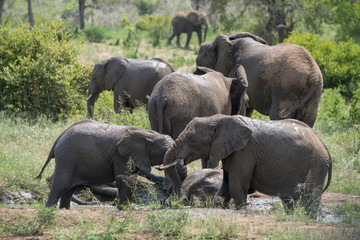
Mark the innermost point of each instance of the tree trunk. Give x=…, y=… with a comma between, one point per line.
x=1, y=8
x=82, y=13
x=30, y=13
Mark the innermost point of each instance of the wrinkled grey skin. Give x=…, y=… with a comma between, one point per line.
x=92, y=153
x=189, y=23
x=181, y=96
x=132, y=80
x=284, y=80
x=201, y=185
x=284, y=158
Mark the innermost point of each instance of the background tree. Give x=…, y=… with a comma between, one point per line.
x=30, y=13
x=82, y=13
x=1, y=8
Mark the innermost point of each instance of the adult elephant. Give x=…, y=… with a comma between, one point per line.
x=189, y=23
x=92, y=153
x=182, y=95
x=132, y=80
x=284, y=158
x=284, y=80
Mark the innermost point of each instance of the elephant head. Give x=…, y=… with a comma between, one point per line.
x=218, y=55
x=104, y=76
x=207, y=137
x=199, y=19
x=145, y=148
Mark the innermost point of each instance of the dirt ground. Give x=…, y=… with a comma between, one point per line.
x=254, y=222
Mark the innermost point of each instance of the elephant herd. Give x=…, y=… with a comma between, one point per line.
x=204, y=114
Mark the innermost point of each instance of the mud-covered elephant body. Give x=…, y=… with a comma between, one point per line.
x=132, y=80
x=201, y=185
x=182, y=95
x=284, y=80
x=188, y=23
x=284, y=158
x=92, y=153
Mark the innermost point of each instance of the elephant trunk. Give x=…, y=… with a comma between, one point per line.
x=205, y=31
x=91, y=99
x=172, y=172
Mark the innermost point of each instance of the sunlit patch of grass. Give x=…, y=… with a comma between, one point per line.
x=32, y=226
x=213, y=227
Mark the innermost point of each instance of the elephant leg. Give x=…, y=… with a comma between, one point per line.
x=59, y=186
x=65, y=199
x=204, y=163
x=178, y=40
x=124, y=190
x=238, y=189
x=171, y=38
x=188, y=39
x=223, y=192
x=288, y=203
x=199, y=35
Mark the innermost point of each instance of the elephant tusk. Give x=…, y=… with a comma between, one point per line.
x=163, y=167
x=91, y=94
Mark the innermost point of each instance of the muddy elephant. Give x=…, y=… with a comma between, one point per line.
x=284, y=80
x=93, y=153
x=201, y=185
x=284, y=158
x=188, y=23
x=132, y=80
x=182, y=95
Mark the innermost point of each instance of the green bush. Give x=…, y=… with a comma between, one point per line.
x=146, y=6
x=38, y=71
x=339, y=62
x=95, y=34
x=157, y=26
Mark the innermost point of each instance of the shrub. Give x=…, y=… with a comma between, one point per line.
x=157, y=26
x=146, y=6
x=95, y=34
x=339, y=62
x=38, y=71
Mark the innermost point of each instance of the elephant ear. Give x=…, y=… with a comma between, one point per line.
x=202, y=70
x=231, y=135
x=195, y=18
x=223, y=54
x=137, y=146
x=113, y=69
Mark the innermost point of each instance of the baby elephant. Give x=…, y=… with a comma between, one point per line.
x=284, y=158
x=93, y=153
x=201, y=185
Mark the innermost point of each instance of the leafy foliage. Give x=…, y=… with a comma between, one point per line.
x=39, y=72
x=146, y=6
x=95, y=34
x=157, y=26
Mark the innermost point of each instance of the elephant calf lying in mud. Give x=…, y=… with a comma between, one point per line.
x=93, y=153
x=284, y=158
x=201, y=185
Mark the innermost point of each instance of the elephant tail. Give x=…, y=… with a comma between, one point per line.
x=289, y=112
x=160, y=110
x=51, y=155
x=329, y=173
